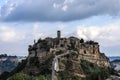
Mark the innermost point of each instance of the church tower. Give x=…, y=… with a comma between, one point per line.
x=58, y=36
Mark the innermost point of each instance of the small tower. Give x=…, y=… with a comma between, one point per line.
x=58, y=36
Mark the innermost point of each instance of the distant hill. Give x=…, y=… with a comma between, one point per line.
x=115, y=61
x=112, y=58
x=7, y=63
x=115, y=64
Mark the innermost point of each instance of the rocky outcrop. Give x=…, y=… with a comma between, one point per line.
x=42, y=52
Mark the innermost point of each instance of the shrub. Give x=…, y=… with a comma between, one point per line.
x=59, y=52
x=94, y=72
x=82, y=40
x=4, y=75
x=22, y=76
x=19, y=76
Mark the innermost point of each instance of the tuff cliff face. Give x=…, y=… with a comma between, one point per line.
x=42, y=52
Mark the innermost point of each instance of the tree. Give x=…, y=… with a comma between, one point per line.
x=82, y=40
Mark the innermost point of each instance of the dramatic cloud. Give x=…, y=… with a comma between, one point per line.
x=107, y=35
x=57, y=10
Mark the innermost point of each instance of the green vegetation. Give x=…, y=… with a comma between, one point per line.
x=4, y=75
x=20, y=67
x=5, y=56
x=21, y=76
x=82, y=40
x=91, y=42
x=94, y=72
x=59, y=52
x=34, y=61
x=65, y=75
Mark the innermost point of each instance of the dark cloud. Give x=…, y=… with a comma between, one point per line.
x=54, y=10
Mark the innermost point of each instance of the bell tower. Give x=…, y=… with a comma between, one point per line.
x=58, y=36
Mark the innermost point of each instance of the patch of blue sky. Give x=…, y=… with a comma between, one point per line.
x=2, y=2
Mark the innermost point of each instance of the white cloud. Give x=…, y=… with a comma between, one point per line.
x=64, y=8
x=61, y=26
x=68, y=1
x=37, y=31
x=107, y=35
x=8, y=34
x=55, y=5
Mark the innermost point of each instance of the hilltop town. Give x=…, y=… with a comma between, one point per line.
x=43, y=49
x=74, y=58
x=49, y=46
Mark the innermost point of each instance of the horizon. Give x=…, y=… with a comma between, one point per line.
x=21, y=22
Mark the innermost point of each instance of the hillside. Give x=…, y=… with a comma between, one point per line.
x=65, y=59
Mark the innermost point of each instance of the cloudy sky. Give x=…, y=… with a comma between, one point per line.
x=22, y=21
